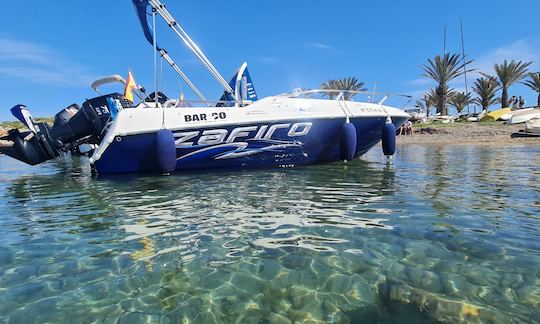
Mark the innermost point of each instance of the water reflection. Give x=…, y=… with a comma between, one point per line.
x=440, y=234
x=279, y=204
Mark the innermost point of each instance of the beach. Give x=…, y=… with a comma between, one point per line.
x=3, y=132
x=467, y=134
x=449, y=134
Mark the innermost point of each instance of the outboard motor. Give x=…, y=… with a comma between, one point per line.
x=31, y=147
x=70, y=129
x=65, y=115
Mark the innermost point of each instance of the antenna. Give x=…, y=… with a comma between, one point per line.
x=464, y=64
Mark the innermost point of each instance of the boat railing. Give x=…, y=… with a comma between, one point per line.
x=188, y=103
x=348, y=95
x=341, y=96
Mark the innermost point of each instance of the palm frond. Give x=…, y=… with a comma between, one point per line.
x=345, y=84
x=486, y=90
x=511, y=72
x=533, y=82
x=460, y=100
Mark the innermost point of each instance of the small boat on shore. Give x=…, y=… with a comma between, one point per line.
x=532, y=129
x=476, y=117
x=523, y=115
x=533, y=126
x=445, y=119
x=163, y=135
x=506, y=117
x=417, y=114
x=496, y=114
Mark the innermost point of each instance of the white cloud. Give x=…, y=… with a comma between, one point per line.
x=38, y=63
x=520, y=50
x=319, y=46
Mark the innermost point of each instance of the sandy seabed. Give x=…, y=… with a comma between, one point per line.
x=467, y=134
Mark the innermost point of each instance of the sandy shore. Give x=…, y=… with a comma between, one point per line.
x=3, y=132
x=467, y=133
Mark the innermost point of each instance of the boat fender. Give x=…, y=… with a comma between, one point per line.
x=348, y=141
x=389, y=138
x=166, y=151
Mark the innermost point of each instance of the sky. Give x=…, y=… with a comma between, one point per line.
x=49, y=54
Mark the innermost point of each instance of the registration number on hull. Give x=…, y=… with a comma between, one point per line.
x=204, y=117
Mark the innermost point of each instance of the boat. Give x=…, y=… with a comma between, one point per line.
x=506, y=117
x=520, y=116
x=438, y=118
x=523, y=133
x=417, y=114
x=495, y=115
x=163, y=135
x=533, y=126
x=532, y=129
x=476, y=117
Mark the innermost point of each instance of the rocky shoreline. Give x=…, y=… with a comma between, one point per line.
x=467, y=134
x=4, y=132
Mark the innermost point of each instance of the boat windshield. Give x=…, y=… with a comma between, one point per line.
x=414, y=110
x=348, y=95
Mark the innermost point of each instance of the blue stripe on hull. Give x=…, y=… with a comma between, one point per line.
x=286, y=146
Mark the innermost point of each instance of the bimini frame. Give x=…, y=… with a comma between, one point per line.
x=160, y=8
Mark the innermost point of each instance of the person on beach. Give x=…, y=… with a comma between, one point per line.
x=513, y=102
x=521, y=102
x=406, y=129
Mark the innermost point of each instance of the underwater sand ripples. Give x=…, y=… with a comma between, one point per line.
x=424, y=239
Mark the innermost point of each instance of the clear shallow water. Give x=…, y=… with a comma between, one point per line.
x=442, y=235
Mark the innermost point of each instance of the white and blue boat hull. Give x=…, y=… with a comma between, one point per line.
x=215, y=138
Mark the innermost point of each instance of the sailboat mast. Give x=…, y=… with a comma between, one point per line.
x=444, y=42
x=464, y=64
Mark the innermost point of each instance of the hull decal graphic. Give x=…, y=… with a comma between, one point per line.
x=240, y=149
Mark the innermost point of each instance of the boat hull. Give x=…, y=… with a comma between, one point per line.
x=523, y=115
x=285, y=143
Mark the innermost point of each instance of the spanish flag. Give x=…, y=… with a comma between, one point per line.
x=130, y=86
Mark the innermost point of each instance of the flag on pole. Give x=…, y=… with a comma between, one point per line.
x=130, y=86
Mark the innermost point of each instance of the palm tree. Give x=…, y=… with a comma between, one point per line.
x=443, y=70
x=427, y=102
x=508, y=74
x=433, y=98
x=534, y=84
x=330, y=85
x=486, y=90
x=460, y=100
x=345, y=84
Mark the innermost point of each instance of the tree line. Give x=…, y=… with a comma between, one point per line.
x=450, y=66
x=444, y=69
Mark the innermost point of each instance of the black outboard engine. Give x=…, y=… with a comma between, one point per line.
x=42, y=143
x=65, y=115
x=31, y=147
